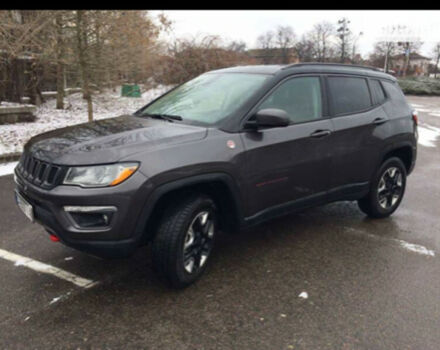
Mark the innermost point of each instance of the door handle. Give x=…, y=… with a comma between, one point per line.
x=320, y=133
x=379, y=121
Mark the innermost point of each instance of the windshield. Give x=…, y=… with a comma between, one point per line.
x=208, y=98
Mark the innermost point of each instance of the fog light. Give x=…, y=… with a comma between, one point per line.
x=91, y=216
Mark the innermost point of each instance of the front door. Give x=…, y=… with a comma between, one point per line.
x=290, y=163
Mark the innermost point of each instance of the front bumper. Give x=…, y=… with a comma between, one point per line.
x=118, y=238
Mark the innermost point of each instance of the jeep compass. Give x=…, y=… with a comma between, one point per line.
x=226, y=150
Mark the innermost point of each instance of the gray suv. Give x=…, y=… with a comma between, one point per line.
x=226, y=150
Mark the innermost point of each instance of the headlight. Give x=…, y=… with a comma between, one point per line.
x=100, y=175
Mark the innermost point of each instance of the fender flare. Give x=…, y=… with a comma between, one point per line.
x=398, y=145
x=163, y=189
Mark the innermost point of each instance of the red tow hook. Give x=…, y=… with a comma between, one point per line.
x=54, y=238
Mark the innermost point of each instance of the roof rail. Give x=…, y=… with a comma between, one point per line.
x=329, y=64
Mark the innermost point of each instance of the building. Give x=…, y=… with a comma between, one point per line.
x=417, y=65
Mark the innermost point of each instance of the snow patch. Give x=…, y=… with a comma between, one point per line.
x=54, y=300
x=303, y=295
x=7, y=168
x=428, y=135
x=108, y=104
x=417, y=248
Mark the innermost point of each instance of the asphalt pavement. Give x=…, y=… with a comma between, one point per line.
x=325, y=278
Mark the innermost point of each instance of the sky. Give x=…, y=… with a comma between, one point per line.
x=247, y=25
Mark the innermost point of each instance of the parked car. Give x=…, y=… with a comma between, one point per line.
x=226, y=150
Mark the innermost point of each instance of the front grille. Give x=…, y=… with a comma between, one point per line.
x=40, y=173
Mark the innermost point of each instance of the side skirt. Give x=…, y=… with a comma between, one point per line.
x=343, y=193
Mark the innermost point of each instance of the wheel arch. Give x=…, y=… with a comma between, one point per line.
x=219, y=186
x=404, y=152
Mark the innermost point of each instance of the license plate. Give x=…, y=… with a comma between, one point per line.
x=25, y=207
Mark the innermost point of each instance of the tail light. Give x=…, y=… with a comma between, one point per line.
x=416, y=122
x=415, y=117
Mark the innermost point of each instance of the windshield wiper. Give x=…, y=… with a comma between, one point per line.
x=168, y=117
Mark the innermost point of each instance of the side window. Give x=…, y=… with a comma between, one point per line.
x=393, y=90
x=377, y=92
x=349, y=95
x=300, y=98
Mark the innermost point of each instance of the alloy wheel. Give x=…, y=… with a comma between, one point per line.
x=198, y=241
x=390, y=186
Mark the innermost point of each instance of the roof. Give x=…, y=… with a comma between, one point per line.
x=412, y=56
x=308, y=68
x=253, y=69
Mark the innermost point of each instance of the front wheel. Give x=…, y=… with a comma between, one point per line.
x=387, y=190
x=183, y=243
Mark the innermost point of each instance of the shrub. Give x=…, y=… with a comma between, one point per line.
x=420, y=86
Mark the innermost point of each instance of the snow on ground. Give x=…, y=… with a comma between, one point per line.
x=7, y=168
x=428, y=135
x=428, y=107
x=14, y=104
x=105, y=105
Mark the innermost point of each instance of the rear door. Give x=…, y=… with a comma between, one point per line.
x=289, y=163
x=359, y=121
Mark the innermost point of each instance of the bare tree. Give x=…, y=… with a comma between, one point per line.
x=23, y=39
x=59, y=23
x=266, y=42
x=407, y=48
x=285, y=40
x=81, y=30
x=187, y=58
x=237, y=46
x=321, y=35
x=436, y=54
x=383, y=53
x=354, y=55
x=305, y=49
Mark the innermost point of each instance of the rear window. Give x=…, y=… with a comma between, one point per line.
x=377, y=92
x=393, y=90
x=349, y=95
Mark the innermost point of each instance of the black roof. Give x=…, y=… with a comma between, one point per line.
x=309, y=68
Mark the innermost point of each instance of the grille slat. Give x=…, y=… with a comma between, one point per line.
x=40, y=173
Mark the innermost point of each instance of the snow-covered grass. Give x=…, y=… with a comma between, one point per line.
x=7, y=168
x=105, y=105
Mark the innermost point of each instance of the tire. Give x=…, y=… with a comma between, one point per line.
x=386, y=191
x=186, y=233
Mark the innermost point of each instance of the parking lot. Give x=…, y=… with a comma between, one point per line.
x=325, y=278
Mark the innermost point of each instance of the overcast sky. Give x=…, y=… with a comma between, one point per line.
x=247, y=25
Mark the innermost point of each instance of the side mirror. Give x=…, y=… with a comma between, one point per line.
x=269, y=118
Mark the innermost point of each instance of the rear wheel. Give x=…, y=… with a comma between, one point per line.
x=387, y=190
x=183, y=243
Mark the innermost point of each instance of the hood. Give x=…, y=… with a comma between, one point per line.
x=109, y=140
